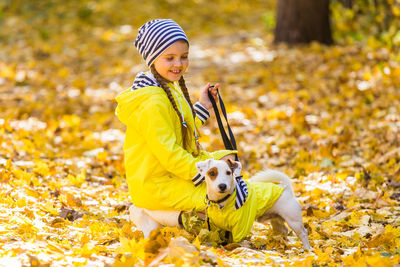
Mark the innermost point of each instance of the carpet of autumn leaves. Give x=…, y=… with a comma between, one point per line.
x=327, y=116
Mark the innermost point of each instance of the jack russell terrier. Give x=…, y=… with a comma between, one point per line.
x=234, y=204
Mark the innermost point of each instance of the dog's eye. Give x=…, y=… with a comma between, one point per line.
x=228, y=172
x=212, y=173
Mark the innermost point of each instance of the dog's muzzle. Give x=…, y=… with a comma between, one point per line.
x=222, y=187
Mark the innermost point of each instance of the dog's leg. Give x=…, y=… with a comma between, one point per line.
x=278, y=224
x=142, y=221
x=289, y=209
x=300, y=230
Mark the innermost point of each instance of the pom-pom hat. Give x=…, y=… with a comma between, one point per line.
x=157, y=35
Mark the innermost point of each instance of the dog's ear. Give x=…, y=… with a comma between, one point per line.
x=203, y=166
x=235, y=166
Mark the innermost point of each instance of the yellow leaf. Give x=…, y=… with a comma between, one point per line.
x=367, y=75
x=63, y=199
x=7, y=72
x=102, y=156
x=77, y=180
x=41, y=168
x=8, y=164
x=21, y=202
x=70, y=121
x=320, y=214
x=396, y=11
x=32, y=193
x=73, y=201
x=79, y=83
x=108, y=35
x=49, y=207
x=133, y=247
x=63, y=73
x=84, y=238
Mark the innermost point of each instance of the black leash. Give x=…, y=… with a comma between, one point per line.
x=229, y=143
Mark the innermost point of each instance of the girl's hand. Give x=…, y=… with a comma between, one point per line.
x=204, y=100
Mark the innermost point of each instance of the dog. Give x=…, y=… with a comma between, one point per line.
x=221, y=185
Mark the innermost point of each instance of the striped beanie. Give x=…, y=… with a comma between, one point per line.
x=157, y=35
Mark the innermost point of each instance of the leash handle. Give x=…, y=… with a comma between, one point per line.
x=229, y=143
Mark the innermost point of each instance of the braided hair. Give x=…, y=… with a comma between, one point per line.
x=187, y=133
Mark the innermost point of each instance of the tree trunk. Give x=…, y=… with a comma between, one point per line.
x=303, y=21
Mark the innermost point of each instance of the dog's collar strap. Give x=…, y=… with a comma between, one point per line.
x=219, y=200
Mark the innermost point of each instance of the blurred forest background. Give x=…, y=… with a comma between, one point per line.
x=328, y=115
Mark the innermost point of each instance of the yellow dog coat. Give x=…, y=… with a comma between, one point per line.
x=261, y=197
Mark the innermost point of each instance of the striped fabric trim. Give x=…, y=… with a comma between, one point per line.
x=241, y=192
x=144, y=79
x=198, y=179
x=157, y=35
x=201, y=112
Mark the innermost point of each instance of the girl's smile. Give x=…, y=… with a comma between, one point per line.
x=173, y=62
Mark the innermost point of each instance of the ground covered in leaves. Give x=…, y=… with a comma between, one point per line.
x=327, y=116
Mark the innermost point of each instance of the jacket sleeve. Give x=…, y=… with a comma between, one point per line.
x=156, y=122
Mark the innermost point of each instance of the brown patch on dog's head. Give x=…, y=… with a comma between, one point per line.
x=212, y=173
x=232, y=164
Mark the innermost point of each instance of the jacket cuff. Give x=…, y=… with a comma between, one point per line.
x=198, y=179
x=201, y=112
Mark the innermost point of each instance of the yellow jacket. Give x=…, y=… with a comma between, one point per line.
x=261, y=197
x=159, y=171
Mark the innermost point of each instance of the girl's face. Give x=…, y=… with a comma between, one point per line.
x=173, y=62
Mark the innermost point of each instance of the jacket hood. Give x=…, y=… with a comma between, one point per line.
x=129, y=101
x=143, y=79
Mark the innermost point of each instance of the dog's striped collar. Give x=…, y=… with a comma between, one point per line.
x=241, y=194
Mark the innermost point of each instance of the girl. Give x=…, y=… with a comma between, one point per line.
x=161, y=143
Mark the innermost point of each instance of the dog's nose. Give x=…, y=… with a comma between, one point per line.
x=222, y=187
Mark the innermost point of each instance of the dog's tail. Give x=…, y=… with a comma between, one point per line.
x=273, y=176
